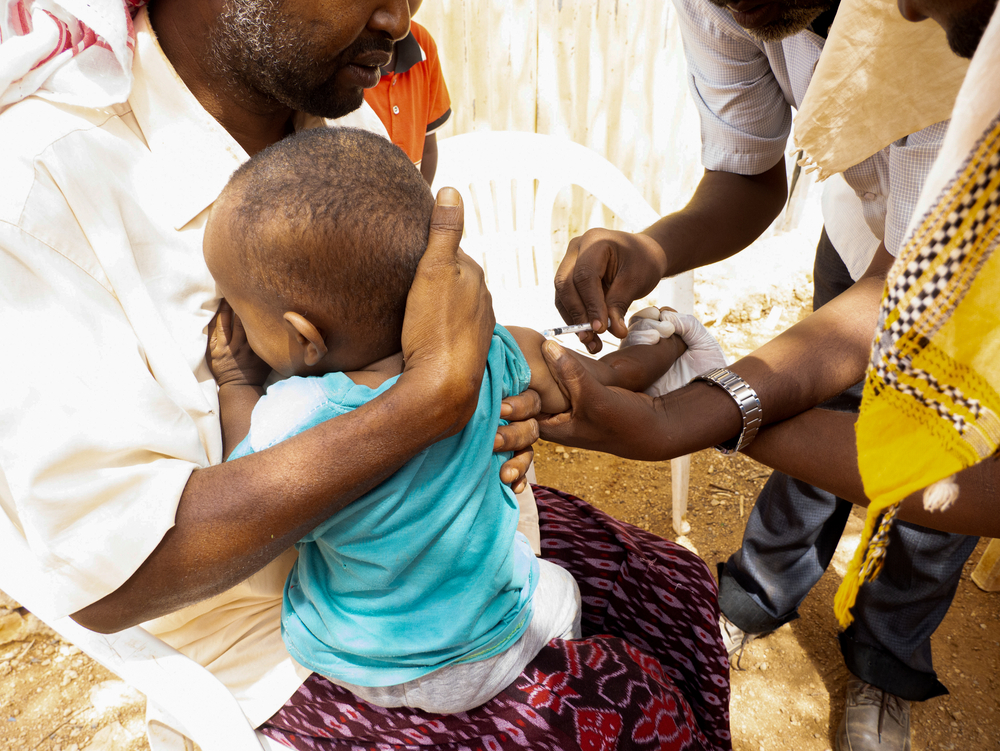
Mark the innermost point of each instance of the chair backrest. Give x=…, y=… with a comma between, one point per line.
x=199, y=706
x=509, y=182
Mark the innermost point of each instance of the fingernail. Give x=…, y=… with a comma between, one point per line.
x=447, y=197
x=553, y=350
x=596, y=324
x=505, y=410
x=497, y=441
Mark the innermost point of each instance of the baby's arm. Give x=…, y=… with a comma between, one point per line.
x=240, y=374
x=633, y=368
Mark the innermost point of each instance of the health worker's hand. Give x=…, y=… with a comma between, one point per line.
x=604, y=418
x=601, y=274
x=229, y=355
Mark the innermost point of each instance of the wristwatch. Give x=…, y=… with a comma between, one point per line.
x=746, y=399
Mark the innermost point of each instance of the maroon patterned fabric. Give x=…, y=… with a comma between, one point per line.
x=651, y=672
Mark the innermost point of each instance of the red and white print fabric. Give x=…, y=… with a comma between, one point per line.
x=72, y=51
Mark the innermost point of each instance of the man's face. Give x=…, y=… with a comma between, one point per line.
x=963, y=21
x=314, y=56
x=773, y=20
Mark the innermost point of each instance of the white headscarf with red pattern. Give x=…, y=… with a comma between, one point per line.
x=72, y=51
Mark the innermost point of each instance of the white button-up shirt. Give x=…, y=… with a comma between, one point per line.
x=108, y=404
x=745, y=89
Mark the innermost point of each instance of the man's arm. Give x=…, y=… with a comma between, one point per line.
x=819, y=447
x=817, y=358
x=604, y=271
x=632, y=368
x=234, y=518
x=429, y=159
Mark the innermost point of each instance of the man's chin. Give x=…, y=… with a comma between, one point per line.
x=335, y=107
x=793, y=21
x=966, y=30
x=328, y=101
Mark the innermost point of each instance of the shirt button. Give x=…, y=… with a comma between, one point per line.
x=395, y=111
x=869, y=196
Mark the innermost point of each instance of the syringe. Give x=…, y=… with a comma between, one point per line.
x=574, y=329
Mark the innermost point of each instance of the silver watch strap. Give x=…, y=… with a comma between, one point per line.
x=746, y=399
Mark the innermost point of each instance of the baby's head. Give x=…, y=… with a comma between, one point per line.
x=315, y=242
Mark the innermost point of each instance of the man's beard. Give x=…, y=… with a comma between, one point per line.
x=793, y=19
x=966, y=30
x=256, y=48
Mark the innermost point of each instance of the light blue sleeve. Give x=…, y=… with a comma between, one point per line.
x=516, y=372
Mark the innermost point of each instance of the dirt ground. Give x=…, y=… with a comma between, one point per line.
x=789, y=694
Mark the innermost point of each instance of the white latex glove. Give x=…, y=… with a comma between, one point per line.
x=703, y=353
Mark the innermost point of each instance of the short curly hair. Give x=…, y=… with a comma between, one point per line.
x=332, y=219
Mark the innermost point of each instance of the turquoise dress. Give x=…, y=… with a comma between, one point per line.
x=423, y=571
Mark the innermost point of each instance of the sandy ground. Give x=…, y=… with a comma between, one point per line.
x=789, y=694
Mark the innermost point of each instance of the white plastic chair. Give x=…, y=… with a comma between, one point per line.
x=509, y=182
x=185, y=696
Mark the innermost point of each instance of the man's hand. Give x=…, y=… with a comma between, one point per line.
x=449, y=320
x=602, y=273
x=518, y=436
x=603, y=418
x=229, y=355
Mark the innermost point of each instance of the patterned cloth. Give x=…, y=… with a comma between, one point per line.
x=72, y=51
x=651, y=674
x=931, y=404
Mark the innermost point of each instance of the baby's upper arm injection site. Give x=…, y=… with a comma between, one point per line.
x=632, y=368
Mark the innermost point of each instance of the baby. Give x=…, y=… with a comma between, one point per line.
x=420, y=593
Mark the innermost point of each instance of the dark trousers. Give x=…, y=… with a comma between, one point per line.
x=790, y=538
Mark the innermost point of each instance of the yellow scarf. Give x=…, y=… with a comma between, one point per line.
x=931, y=404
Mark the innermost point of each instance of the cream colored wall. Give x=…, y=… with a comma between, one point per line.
x=609, y=74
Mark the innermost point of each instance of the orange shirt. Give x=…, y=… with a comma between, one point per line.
x=412, y=101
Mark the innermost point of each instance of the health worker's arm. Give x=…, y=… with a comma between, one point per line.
x=604, y=271
x=819, y=447
x=814, y=360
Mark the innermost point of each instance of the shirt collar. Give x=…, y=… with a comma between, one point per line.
x=196, y=154
x=408, y=53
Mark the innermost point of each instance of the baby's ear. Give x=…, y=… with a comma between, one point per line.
x=308, y=337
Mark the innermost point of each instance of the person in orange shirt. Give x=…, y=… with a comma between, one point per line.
x=411, y=98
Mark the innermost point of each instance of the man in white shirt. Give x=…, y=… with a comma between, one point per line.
x=110, y=445
x=749, y=63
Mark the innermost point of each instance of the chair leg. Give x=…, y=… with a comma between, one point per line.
x=987, y=573
x=680, y=476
